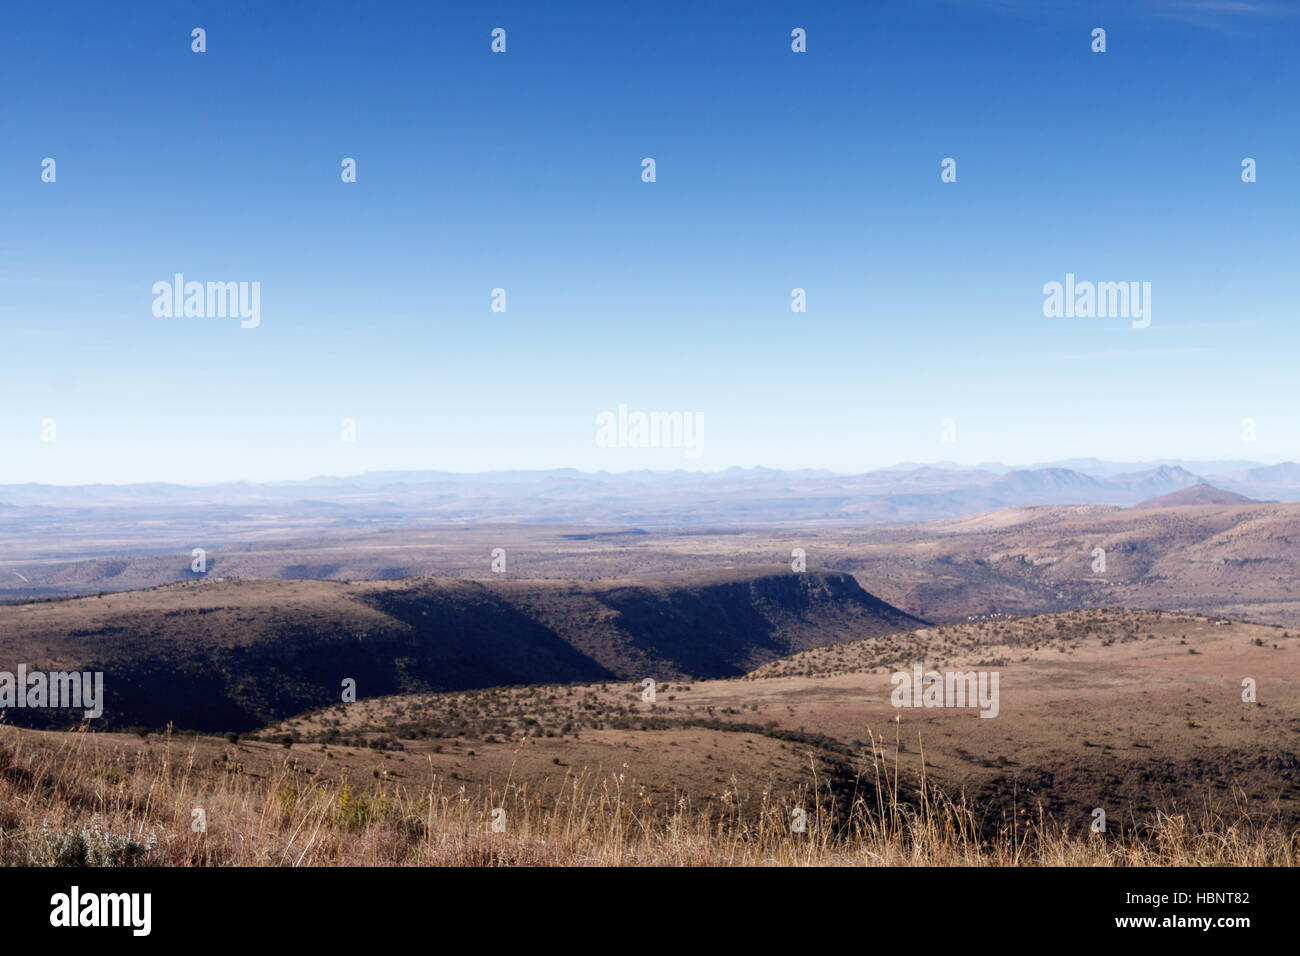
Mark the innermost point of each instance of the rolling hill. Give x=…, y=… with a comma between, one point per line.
x=233, y=655
x=1201, y=494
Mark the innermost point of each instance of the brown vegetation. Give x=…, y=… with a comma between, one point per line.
x=66, y=802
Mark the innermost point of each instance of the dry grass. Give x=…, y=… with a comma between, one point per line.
x=72, y=803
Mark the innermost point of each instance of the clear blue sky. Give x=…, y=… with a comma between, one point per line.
x=775, y=170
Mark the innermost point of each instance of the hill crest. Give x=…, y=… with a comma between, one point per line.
x=1199, y=494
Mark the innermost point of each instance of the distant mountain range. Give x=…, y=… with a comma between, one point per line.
x=735, y=496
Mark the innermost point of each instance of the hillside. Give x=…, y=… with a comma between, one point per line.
x=1095, y=707
x=1137, y=712
x=1201, y=494
x=233, y=655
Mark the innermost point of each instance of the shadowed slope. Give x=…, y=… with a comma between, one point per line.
x=232, y=655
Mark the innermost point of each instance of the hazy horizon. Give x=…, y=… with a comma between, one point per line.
x=1079, y=463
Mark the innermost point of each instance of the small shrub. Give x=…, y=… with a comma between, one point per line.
x=91, y=844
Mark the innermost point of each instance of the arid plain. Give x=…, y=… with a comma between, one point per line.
x=1121, y=686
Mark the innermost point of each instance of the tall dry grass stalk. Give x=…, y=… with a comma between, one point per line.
x=73, y=804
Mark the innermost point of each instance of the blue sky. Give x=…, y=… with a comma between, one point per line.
x=522, y=171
